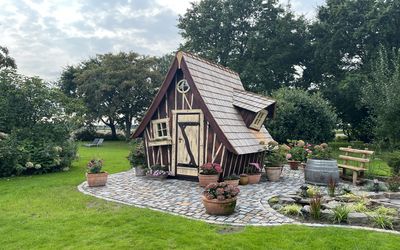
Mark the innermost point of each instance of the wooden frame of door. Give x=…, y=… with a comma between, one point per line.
x=175, y=113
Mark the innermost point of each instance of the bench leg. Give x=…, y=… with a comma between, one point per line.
x=354, y=177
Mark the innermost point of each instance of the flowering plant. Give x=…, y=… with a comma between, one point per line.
x=321, y=152
x=158, y=170
x=253, y=168
x=210, y=169
x=220, y=191
x=297, y=151
x=94, y=166
x=275, y=155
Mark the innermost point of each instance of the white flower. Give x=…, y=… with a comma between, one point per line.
x=29, y=164
x=38, y=166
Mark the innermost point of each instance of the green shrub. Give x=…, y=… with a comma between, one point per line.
x=41, y=149
x=292, y=209
x=301, y=115
x=360, y=207
x=381, y=210
x=137, y=156
x=394, y=183
x=383, y=221
x=340, y=213
x=393, y=160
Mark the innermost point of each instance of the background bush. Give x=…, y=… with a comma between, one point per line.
x=393, y=160
x=35, y=127
x=301, y=115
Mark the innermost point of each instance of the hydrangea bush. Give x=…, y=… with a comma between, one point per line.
x=211, y=169
x=220, y=191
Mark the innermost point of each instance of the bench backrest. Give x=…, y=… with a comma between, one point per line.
x=362, y=160
x=100, y=141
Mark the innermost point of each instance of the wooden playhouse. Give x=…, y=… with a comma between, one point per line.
x=203, y=114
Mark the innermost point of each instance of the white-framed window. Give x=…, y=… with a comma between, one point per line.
x=259, y=119
x=160, y=129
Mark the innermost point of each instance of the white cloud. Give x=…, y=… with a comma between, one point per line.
x=46, y=35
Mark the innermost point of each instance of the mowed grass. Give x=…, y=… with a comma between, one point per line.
x=48, y=212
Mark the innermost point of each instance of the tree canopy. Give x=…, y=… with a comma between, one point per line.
x=115, y=88
x=261, y=40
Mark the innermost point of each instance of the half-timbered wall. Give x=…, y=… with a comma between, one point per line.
x=214, y=150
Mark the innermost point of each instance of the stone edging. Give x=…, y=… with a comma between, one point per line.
x=80, y=188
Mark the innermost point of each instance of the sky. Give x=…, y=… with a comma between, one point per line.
x=44, y=36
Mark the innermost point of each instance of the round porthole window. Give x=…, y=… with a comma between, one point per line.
x=183, y=86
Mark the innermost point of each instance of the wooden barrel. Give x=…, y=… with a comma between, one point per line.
x=319, y=172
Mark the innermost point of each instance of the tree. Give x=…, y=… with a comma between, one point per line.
x=381, y=94
x=5, y=60
x=344, y=39
x=301, y=115
x=260, y=40
x=115, y=88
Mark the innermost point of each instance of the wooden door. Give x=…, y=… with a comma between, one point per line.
x=188, y=142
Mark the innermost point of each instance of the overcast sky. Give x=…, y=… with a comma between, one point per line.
x=44, y=36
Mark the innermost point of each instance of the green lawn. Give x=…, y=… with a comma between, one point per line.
x=47, y=212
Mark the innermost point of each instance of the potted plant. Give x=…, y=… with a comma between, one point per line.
x=253, y=170
x=274, y=158
x=321, y=167
x=137, y=158
x=297, y=154
x=220, y=198
x=94, y=176
x=209, y=173
x=244, y=179
x=232, y=180
x=158, y=172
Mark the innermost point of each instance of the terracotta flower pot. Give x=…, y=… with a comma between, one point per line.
x=216, y=207
x=234, y=183
x=96, y=180
x=244, y=180
x=205, y=179
x=273, y=173
x=294, y=165
x=254, y=178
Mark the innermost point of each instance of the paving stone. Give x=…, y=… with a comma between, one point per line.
x=184, y=197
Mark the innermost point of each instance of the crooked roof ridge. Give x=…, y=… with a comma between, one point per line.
x=252, y=93
x=216, y=65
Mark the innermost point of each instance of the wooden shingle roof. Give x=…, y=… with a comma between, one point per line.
x=222, y=90
x=250, y=101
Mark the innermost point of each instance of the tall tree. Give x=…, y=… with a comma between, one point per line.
x=381, y=94
x=344, y=38
x=115, y=88
x=259, y=39
x=5, y=60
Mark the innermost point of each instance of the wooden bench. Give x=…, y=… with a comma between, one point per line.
x=358, y=171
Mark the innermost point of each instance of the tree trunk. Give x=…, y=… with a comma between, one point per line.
x=128, y=126
x=111, y=125
x=113, y=131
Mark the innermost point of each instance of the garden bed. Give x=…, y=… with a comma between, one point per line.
x=310, y=204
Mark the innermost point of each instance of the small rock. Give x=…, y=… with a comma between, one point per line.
x=304, y=201
x=327, y=213
x=392, y=195
x=373, y=195
x=277, y=206
x=331, y=205
x=306, y=209
x=357, y=218
x=286, y=200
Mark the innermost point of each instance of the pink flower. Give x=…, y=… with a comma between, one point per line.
x=288, y=156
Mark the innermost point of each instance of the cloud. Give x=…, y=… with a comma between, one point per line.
x=44, y=35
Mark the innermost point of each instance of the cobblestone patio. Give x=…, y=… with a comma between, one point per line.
x=183, y=197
